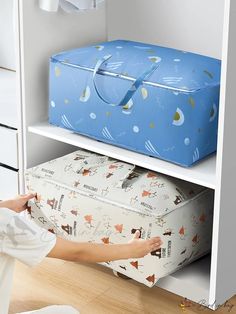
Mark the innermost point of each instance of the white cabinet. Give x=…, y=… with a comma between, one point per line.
x=8, y=98
x=205, y=27
x=7, y=33
x=8, y=183
x=8, y=147
x=9, y=101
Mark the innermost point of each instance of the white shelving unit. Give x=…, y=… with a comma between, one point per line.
x=10, y=150
x=159, y=22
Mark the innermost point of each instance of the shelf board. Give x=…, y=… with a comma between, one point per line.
x=203, y=173
x=191, y=282
x=8, y=99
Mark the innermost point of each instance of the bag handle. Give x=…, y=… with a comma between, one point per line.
x=132, y=90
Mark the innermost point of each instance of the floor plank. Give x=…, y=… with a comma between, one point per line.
x=92, y=289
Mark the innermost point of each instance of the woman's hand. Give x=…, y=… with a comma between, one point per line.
x=140, y=248
x=19, y=203
x=100, y=252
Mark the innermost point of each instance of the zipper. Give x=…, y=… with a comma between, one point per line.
x=147, y=212
x=128, y=78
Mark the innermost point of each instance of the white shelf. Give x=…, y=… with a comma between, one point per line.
x=202, y=173
x=8, y=99
x=191, y=282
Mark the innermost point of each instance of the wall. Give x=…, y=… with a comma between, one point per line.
x=7, y=50
x=192, y=25
x=43, y=34
x=187, y=24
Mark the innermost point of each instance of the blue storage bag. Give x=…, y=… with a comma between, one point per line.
x=154, y=100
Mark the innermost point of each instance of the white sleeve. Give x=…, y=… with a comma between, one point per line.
x=26, y=241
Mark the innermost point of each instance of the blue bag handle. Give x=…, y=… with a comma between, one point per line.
x=132, y=90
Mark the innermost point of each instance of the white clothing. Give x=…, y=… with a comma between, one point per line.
x=68, y=5
x=54, y=309
x=21, y=239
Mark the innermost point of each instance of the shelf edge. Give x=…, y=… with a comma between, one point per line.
x=67, y=136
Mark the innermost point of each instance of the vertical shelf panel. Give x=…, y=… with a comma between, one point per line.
x=223, y=283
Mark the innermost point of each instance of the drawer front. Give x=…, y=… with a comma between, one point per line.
x=8, y=147
x=8, y=98
x=8, y=183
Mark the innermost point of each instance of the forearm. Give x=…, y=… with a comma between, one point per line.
x=99, y=252
x=4, y=204
x=89, y=252
x=95, y=252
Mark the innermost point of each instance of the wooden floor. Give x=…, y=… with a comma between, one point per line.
x=92, y=289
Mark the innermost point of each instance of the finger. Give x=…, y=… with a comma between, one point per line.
x=154, y=240
x=137, y=234
x=29, y=196
x=155, y=247
x=37, y=197
x=156, y=244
